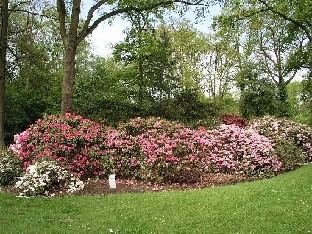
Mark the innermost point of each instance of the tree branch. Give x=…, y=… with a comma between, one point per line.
x=89, y=29
x=250, y=14
x=287, y=18
x=34, y=13
x=61, y=9
x=75, y=19
x=90, y=15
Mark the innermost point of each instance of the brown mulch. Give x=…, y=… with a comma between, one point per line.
x=94, y=186
x=126, y=186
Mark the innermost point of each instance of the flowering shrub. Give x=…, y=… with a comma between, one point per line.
x=231, y=149
x=277, y=129
x=169, y=156
x=137, y=126
x=43, y=178
x=208, y=123
x=289, y=154
x=231, y=118
x=150, y=149
x=172, y=152
x=119, y=154
x=73, y=141
x=10, y=168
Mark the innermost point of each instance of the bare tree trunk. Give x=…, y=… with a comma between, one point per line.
x=68, y=79
x=3, y=48
x=70, y=42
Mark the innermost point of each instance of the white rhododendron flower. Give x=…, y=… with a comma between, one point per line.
x=43, y=178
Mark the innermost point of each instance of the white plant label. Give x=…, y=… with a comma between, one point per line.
x=112, y=181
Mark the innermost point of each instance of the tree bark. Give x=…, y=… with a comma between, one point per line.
x=68, y=79
x=70, y=41
x=3, y=48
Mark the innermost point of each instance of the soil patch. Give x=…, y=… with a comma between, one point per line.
x=101, y=186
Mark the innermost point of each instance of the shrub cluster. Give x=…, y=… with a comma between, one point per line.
x=300, y=136
x=10, y=168
x=137, y=126
x=73, y=141
x=169, y=154
x=289, y=154
x=231, y=149
x=149, y=149
x=231, y=118
x=45, y=177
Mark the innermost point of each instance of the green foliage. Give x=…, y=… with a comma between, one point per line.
x=161, y=72
x=258, y=98
x=23, y=108
x=289, y=154
x=102, y=92
x=189, y=106
x=33, y=72
x=280, y=130
x=276, y=41
x=147, y=55
x=299, y=102
x=10, y=168
x=108, y=93
x=307, y=95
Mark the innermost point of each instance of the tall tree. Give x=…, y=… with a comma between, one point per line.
x=148, y=51
x=188, y=45
x=3, y=50
x=272, y=43
x=276, y=51
x=297, y=12
x=73, y=33
x=307, y=95
x=218, y=63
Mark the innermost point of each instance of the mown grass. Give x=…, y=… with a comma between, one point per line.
x=282, y=204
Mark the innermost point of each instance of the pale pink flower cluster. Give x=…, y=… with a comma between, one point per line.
x=275, y=129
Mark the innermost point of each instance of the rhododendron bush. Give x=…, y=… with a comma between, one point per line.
x=71, y=140
x=10, y=168
x=45, y=177
x=231, y=118
x=231, y=149
x=283, y=129
x=150, y=149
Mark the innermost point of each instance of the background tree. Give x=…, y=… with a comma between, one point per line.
x=101, y=91
x=269, y=42
x=164, y=64
x=72, y=33
x=276, y=48
x=17, y=19
x=258, y=94
x=3, y=49
x=138, y=51
x=218, y=64
x=188, y=45
x=306, y=97
x=33, y=85
x=31, y=82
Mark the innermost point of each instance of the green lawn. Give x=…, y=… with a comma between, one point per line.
x=279, y=205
